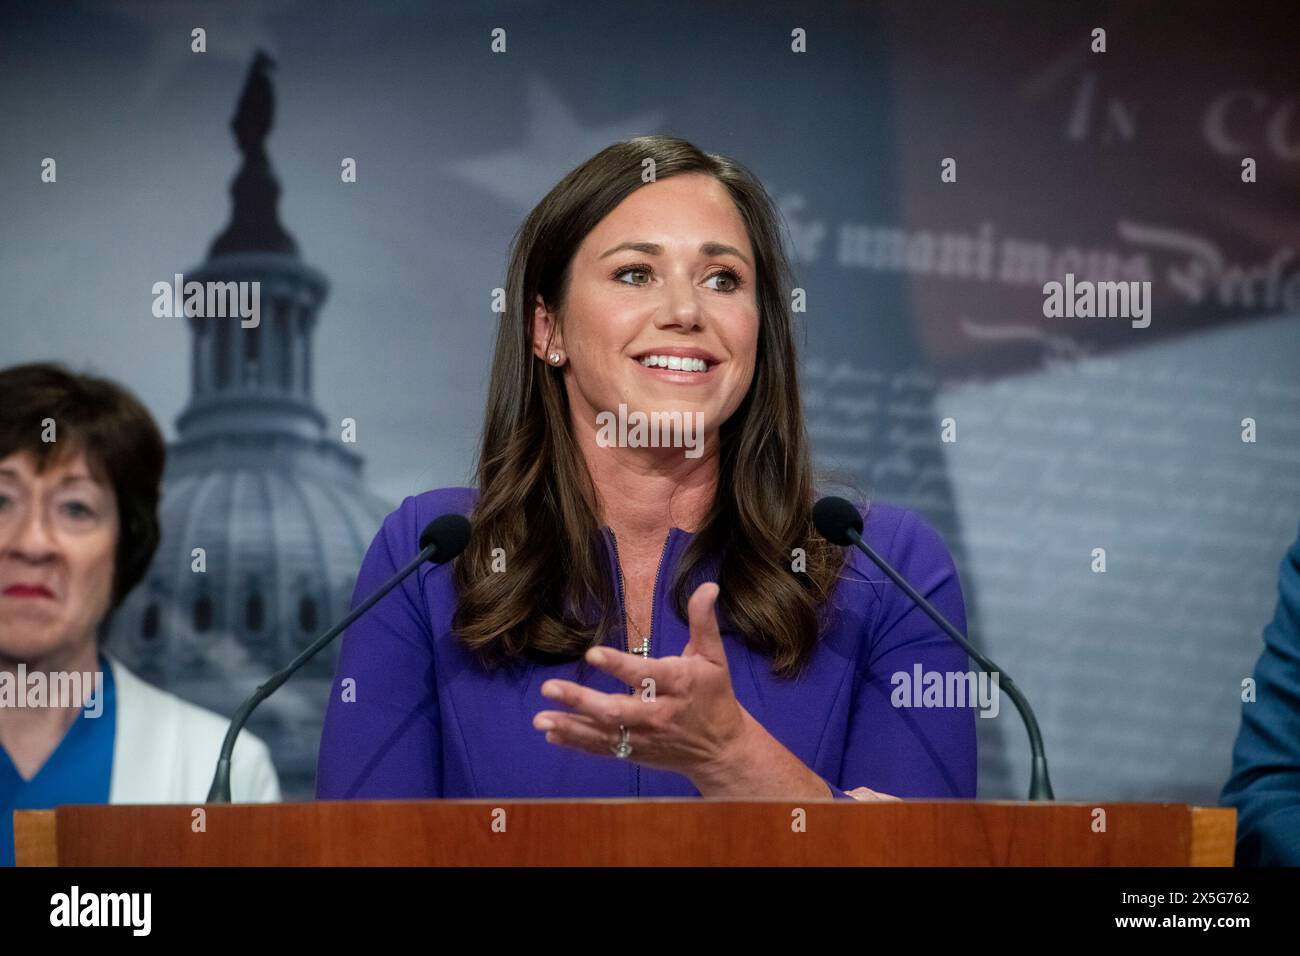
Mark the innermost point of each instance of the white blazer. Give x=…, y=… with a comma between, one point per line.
x=165, y=749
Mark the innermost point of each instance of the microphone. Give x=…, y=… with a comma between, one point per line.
x=442, y=540
x=840, y=523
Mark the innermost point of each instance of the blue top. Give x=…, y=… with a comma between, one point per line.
x=1265, y=781
x=429, y=721
x=78, y=771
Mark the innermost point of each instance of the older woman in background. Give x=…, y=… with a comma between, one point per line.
x=81, y=464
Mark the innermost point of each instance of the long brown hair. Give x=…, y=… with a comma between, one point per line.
x=536, y=500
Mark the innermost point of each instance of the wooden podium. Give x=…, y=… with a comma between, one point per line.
x=646, y=832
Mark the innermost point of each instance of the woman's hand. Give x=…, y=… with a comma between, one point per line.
x=683, y=716
x=868, y=795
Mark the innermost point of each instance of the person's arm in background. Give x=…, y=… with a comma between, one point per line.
x=252, y=773
x=1265, y=783
x=910, y=752
x=382, y=736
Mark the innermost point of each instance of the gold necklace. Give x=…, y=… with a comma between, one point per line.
x=644, y=647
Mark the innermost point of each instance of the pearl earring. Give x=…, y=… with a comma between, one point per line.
x=555, y=358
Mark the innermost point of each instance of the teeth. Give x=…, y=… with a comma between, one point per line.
x=675, y=362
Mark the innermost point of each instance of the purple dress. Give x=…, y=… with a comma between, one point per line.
x=421, y=718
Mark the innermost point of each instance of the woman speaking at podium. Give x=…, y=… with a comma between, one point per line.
x=642, y=617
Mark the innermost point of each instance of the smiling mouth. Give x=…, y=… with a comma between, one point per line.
x=676, y=363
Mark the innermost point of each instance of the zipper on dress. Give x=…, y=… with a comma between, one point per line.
x=654, y=608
